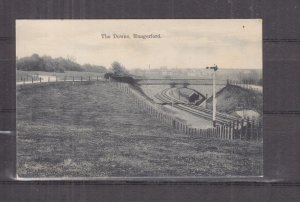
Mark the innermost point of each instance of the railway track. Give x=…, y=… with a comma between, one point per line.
x=225, y=116
x=195, y=110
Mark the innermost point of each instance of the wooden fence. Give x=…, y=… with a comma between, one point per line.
x=48, y=79
x=249, y=130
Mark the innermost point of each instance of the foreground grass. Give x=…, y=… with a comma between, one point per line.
x=96, y=130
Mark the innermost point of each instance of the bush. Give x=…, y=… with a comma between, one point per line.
x=107, y=75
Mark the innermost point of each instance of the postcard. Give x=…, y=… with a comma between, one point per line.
x=139, y=98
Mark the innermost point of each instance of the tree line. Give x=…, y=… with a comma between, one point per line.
x=49, y=64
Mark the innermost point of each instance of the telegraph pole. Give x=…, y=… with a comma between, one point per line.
x=214, y=68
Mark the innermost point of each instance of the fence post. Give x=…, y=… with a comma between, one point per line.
x=222, y=131
x=228, y=131
x=242, y=129
x=233, y=130
x=89, y=78
x=31, y=79
x=225, y=132
x=260, y=131
x=237, y=129
x=252, y=129
x=256, y=130
x=247, y=127
x=40, y=80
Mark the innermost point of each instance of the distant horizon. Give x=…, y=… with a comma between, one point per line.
x=144, y=68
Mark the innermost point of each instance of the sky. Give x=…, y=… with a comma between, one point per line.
x=183, y=44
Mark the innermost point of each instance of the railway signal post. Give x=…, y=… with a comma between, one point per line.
x=214, y=68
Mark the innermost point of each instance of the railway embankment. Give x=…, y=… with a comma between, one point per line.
x=234, y=98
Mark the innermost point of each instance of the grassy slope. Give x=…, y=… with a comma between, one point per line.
x=233, y=96
x=95, y=130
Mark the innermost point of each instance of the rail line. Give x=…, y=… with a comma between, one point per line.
x=195, y=110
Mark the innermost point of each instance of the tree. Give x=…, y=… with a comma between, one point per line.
x=118, y=69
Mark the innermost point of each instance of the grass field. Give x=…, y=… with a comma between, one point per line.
x=76, y=130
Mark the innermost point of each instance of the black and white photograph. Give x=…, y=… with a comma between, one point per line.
x=139, y=98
